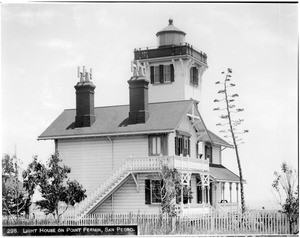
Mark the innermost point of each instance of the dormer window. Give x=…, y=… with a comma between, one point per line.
x=162, y=74
x=194, y=76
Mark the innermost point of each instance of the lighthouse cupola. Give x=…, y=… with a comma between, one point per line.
x=170, y=35
x=173, y=68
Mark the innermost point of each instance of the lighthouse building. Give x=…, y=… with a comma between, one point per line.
x=117, y=152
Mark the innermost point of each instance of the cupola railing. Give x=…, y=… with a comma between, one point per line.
x=170, y=50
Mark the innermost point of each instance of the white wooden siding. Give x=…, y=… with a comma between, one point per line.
x=124, y=147
x=126, y=199
x=157, y=92
x=88, y=159
x=185, y=125
x=92, y=160
x=106, y=207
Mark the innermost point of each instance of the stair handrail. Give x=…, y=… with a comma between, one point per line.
x=220, y=209
x=125, y=166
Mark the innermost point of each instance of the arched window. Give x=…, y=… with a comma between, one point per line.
x=194, y=78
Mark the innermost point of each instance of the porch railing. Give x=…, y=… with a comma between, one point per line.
x=151, y=163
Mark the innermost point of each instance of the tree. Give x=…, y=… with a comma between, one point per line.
x=231, y=125
x=287, y=193
x=171, y=190
x=53, y=183
x=15, y=201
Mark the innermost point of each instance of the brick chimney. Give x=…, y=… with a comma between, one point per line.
x=138, y=99
x=85, y=115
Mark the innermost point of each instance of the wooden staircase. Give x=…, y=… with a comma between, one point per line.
x=122, y=173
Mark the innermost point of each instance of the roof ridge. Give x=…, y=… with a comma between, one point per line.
x=123, y=105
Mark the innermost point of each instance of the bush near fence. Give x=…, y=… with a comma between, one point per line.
x=256, y=222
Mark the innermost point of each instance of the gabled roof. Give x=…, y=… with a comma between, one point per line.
x=222, y=174
x=112, y=120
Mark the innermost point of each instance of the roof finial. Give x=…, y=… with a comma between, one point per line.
x=170, y=21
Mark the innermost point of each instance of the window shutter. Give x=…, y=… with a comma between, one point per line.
x=196, y=76
x=189, y=148
x=211, y=155
x=164, y=145
x=180, y=149
x=149, y=145
x=197, y=151
x=206, y=152
x=172, y=73
x=199, y=192
x=176, y=146
x=161, y=73
x=152, y=74
x=147, y=191
x=192, y=75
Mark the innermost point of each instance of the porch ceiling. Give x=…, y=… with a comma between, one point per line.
x=222, y=174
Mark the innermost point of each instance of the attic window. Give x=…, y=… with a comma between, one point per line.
x=162, y=74
x=194, y=76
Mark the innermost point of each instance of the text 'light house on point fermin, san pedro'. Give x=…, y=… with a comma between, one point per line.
x=116, y=152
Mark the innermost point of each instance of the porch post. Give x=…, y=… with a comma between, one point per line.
x=230, y=190
x=208, y=197
x=189, y=204
x=237, y=195
x=223, y=190
x=181, y=205
x=216, y=184
x=203, y=194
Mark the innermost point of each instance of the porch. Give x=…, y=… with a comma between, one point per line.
x=154, y=163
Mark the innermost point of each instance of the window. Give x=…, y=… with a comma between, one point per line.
x=156, y=75
x=194, y=78
x=162, y=74
x=208, y=153
x=158, y=145
x=167, y=73
x=156, y=191
x=153, y=191
x=182, y=145
x=199, y=150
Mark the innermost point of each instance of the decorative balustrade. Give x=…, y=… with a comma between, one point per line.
x=171, y=50
x=151, y=163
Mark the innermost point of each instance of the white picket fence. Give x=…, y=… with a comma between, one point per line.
x=255, y=222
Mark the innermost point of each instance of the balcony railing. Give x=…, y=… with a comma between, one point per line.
x=172, y=50
x=178, y=162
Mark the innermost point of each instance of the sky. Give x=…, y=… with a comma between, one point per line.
x=42, y=45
